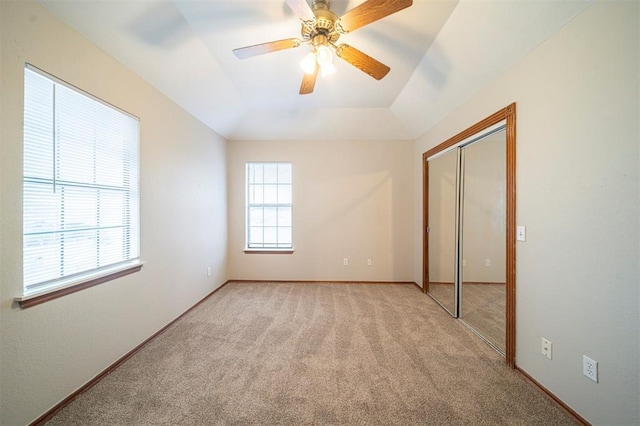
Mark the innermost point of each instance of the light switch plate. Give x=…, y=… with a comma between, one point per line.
x=521, y=233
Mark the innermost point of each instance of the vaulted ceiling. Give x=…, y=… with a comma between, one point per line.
x=440, y=52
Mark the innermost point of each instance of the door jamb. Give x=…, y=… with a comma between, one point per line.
x=507, y=114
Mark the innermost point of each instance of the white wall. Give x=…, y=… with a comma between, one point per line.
x=350, y=199
x=50, y=350
x=578, y=194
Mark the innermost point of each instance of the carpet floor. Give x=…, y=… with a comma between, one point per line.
x=291, y=353
x=483, y=308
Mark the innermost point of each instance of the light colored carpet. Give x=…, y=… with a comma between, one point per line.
x=443, y=293
x=285, y=353
x=483, y=308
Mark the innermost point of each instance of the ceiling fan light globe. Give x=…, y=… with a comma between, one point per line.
x=308, y=63
x=327, y=69
x=324, y=55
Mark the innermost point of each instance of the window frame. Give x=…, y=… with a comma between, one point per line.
x=248, y=248
x=49, y=289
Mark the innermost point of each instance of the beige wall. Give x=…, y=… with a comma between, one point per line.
x=350, y=199
x=48, y=351
x=578, y=195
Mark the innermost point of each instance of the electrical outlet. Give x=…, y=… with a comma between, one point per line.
x=546, y=348
x=590, y=368
x=345, y=261
x=487, y=262
x=369, y=262
x=209, y=271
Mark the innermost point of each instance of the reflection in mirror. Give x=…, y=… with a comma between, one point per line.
x=483, y=298
x=442, y=229
x=483, y=289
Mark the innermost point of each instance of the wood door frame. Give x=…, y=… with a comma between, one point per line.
x=507, y=114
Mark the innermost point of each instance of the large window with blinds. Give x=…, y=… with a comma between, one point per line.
x=269, y=206
x=80, y=185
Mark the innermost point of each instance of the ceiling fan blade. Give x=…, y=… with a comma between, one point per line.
x=368, y=12
x=309, y=81
x=362, y=61
x=261, y=49
x=301, y=9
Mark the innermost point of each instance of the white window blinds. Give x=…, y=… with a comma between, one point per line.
x=80, y=184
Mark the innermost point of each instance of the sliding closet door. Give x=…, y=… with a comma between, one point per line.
x=467, y=234
x=442, y=224
x=483, y=236
x=469, y=228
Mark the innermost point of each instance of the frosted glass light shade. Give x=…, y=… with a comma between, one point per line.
x=327, y=69
x=324, y=55
x=308, y=63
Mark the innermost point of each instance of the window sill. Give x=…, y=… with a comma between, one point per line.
x=268, y=251
x=38, y=297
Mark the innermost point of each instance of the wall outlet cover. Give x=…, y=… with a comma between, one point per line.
x=590, y=368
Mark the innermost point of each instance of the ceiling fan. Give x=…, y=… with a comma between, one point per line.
x=321, y=28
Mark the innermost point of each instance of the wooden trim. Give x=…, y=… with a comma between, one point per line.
x=36, y=300
x=274, y=251
x=577, y=417
x=494, y=118
x=509, y=115
x=53, y=411
x=321, y=282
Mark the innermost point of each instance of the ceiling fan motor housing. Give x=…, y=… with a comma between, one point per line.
x=324, y=23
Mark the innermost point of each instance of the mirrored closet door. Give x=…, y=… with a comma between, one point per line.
x=466, y=233
x=469, y=228
x=443, y=226
x=482, y=238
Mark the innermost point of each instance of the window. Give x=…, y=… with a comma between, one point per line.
x=269, y=195
x=80, y=186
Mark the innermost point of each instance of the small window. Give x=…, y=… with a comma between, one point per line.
x=269, y=197
x=80, y=186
